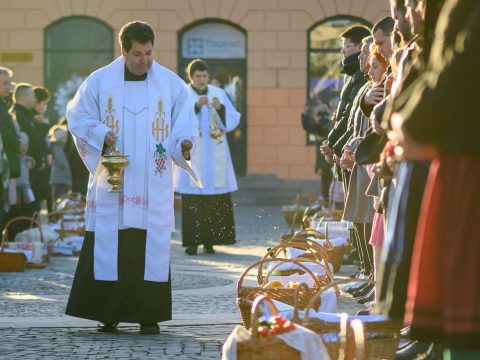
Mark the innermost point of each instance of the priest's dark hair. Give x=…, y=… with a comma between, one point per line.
x=138, y=31
x=196, y=65
x=386, y=24
x=356, y=33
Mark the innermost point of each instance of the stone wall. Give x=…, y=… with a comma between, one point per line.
x=277, y=34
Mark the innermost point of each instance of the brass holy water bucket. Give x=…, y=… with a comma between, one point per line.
x=115, y=163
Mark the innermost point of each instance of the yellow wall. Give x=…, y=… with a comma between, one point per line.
x=277, y=56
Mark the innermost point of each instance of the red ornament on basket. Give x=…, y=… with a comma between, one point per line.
x=274, y=326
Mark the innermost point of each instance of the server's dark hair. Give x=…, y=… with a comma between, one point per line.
x=196, y=65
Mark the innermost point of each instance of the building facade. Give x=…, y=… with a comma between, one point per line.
x=270, y=56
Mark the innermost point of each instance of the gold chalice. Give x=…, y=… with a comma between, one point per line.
x=115, y=163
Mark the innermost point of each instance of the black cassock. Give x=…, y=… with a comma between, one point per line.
x=130, y=299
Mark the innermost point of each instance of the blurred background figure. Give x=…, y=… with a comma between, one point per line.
x=60, y=173
x=316, y=119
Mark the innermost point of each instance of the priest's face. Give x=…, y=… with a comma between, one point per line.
x=139, y=59
x=200, y=79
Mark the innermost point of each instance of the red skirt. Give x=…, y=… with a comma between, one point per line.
x=444, y=287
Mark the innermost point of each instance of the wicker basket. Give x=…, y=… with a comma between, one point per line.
x=12, y=262
x=381, y=337
x=293, y=215
x=78, y=217
x=42, y=239
x=268, y=348
x=246, y=294
x=314, y=253
x=335, y=254
x=71, y=201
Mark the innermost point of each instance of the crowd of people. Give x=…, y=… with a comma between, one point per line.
x=409, y=173
x=35, y=169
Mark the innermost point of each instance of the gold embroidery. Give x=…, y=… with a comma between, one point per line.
x=156, y=128
x=110, y=120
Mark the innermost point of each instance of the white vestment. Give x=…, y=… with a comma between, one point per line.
x=151, y=118
x=212, y=157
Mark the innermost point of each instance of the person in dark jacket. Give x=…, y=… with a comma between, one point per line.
x=11, y=140
x=24, y=99
x=355, y=79
x=316, y=120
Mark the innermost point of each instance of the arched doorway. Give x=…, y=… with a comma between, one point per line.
x=74, y=47
x=324, y=59
x=223, y=46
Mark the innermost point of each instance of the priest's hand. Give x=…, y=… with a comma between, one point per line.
x=186, y=155
x=110, y=138
x=216, y=103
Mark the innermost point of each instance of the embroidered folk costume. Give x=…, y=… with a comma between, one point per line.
x=207, y=213
x=123, y=274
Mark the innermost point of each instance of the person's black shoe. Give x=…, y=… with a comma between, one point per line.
x=405, y=332
x=107, y=327
x=351, y=258
x=353, y=290
x=363, y=312
x=363, y=291
x=149, y=329
x=208, y=249
x=191, y=250
x=416, y=350
x=367, y=298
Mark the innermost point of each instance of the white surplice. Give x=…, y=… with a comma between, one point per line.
x=212, y=158
x=151, y=118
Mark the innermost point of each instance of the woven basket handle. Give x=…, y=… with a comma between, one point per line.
x=263, y=261
x=255, y=312
x=296, y=300
x=322, y=219
x=331, y=285
x=310, y=246
x=292, y=225
x=18, y=218
x=355, y=350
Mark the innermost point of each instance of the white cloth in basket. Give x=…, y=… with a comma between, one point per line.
x=68, y=245
x=336, y=241
x=33, y=235
x=12, y=248
x=328, y=305
x=308, y=343
x=315, y=268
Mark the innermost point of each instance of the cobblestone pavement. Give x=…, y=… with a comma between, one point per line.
x=33, y=324
x=174, y=342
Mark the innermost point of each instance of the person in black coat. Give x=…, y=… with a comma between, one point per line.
x=23, y=109
x=355, y=78
x=11, y=140
x=316, y=120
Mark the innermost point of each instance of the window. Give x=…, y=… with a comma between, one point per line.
x=74, y=47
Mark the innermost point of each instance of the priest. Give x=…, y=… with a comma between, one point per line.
x=144, y=110
x=207, y=213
